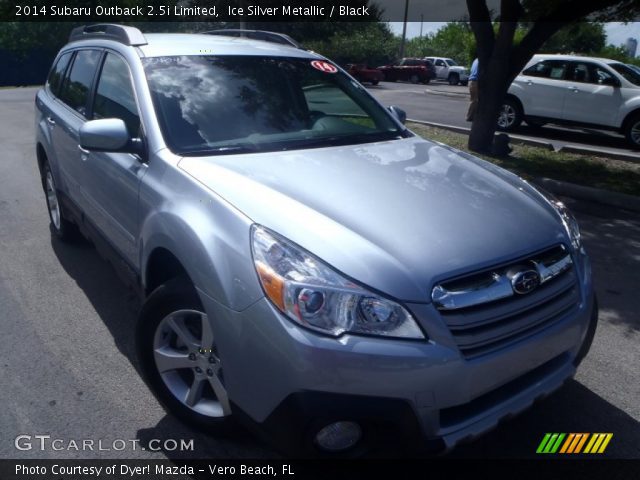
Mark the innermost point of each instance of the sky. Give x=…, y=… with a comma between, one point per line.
x=617, y=33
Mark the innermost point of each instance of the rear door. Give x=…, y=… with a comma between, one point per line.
x=70, y=113
x=111, y=181
x=49, y=118
x=593, y=95
x=541, y=88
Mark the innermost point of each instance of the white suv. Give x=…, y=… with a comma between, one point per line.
x=447, y=69
x=578, y=91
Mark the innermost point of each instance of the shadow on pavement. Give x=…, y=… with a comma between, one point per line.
x=612, y=239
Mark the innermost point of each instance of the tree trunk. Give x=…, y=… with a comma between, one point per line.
x=493, y=83
x=484, y=121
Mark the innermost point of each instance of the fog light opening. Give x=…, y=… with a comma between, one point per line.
x=338, y=436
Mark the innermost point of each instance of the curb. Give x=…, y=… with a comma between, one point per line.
x=517, y=139
x=520, y=140
x=627, y=157
x=580, y=192
x=557, y=187
x=446, y=94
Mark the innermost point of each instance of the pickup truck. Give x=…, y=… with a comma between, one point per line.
x=447, y=69
x=412, y=70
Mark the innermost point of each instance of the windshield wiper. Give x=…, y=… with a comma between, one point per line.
x=357, y=138
x=226, y=150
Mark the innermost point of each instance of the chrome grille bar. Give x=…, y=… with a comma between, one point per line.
x=498, y=288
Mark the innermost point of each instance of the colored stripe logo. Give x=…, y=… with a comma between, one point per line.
x=573, y=443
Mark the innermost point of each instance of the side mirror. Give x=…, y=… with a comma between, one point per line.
x=611, y=81
x=400, y=114
x=108, y=135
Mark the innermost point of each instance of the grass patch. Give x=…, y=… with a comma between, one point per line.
x=531, y=162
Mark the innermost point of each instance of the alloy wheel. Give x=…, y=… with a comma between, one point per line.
x=507, y=116
x=52, y=200
x=635, y=133
x=186, y=357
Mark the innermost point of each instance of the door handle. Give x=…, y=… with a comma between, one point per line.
x=51, y=121
x=529, y=82
x=84, y=153
x=574, y=89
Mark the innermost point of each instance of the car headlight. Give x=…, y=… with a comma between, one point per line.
x=313, y=295
x=568, y=220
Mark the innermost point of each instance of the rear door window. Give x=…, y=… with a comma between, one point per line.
x=553, y=69
x=57, y=73
x=77, y=85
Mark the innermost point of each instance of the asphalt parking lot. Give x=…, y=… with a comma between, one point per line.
x=69, y=369
x=441, y=103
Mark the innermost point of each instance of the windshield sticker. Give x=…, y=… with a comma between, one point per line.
x=325, y=67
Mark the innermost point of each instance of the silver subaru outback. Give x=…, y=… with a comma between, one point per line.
x=309, y=266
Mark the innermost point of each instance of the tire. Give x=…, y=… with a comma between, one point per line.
x=375, y=82
x=454, y=79
x=179, y=357
x=588, y=339
x=426, y=81
x=510, y=116
x=632, y=131
x=465, y=83
x=60, y=227
x=414, y=78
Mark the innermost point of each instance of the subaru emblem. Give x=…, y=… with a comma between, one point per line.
x=525, y=282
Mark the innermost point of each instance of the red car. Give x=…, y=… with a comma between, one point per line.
x=412, y=70
x=363, y=73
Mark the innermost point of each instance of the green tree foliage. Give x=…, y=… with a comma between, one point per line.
x=582, y=37
x=454, y=40
x=371, y=43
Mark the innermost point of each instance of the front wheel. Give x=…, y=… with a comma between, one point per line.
x=632, y=131
x=414, y=79
x=454, y=79
x=510, y=115
x=179, y=356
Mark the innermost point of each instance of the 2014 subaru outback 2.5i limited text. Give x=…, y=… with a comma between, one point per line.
x=309, y=266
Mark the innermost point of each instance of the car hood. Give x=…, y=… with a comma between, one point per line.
x=398, y=216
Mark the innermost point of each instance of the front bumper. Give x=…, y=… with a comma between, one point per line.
x=293, y=382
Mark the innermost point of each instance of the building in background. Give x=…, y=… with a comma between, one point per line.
x=631, y=46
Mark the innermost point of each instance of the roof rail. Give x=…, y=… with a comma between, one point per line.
x=129, y=36
x=273, y=37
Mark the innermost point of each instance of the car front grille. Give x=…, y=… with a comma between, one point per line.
x=483, y=322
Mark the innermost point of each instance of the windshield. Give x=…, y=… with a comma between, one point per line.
x=628, y=73
x=230, y=104
x=451, y=63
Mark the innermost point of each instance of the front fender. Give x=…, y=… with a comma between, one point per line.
x=209, y=237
